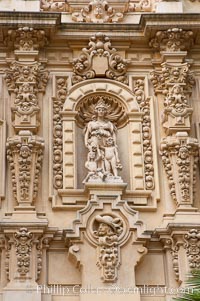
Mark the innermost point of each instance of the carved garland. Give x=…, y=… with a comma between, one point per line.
x=146, y=133
x=61, y=93
x=23, y=247
x=192, y=246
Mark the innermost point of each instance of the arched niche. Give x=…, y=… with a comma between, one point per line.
x=129, y=137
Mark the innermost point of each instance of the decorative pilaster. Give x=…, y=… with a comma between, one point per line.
x=25, y=250
x=192, y=246
x=26, y=80
x=173, y=83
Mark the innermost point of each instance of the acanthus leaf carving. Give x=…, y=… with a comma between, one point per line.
x=107, y=235
x=26, y=38
x=23, y=246
x=25, y=154
x=99, y=59
x=58, y=102
x=98, y=11
x=192, y=246
x=172, y=40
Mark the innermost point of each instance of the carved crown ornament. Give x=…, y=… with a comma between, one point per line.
x=172, y=40
x=99, y=60
x=26, y=38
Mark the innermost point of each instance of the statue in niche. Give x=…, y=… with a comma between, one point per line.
x=100, y=139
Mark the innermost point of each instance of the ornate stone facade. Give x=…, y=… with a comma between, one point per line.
x=99, y=149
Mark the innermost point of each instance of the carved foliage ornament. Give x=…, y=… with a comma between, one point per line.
x=175, y=39
x=26, y=38
x=98, y=11
x=170, y=75
x=99, y=60
x=32, y=73
x=140, y=5
x=146, y=133
x=61, y=93
x=54, y=5
x=25, y=154
x=25, y=81
x=192, y=246
x=23, y=247
x=180, y=157
x=107, y=234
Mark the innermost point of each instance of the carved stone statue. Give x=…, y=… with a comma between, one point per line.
x=100, y=139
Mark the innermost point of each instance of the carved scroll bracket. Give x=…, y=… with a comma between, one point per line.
x=25, y=154
x=180, y=157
